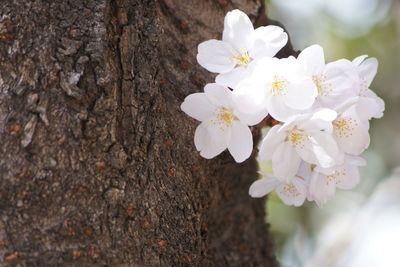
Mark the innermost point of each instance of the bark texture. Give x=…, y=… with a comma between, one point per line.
x=97, y=162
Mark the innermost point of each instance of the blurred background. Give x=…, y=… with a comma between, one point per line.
x=358, y=228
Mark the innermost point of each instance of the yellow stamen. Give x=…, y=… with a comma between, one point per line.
x=278, y=86
x=296, y=137
x=224, y=117
x=243, y=58
x=344, y=127
x=291, y=190
x=323, y=88
x=318, y=84
x=335, y=177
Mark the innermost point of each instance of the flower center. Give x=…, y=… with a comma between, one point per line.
x=224, y=117
x=278, y=85
x=335, y=177
x=344, y=127
x=290, y=190
x=297, y=137
x=243, y=58
x=324, y=89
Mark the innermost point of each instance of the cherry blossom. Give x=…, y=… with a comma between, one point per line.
x=321, y=111
x=350, y=129
x=335, y=81
x=292, y=191
x=323, y=182
x=241, y=44
x=278, y=85
x=222, y=125
x=305, y=137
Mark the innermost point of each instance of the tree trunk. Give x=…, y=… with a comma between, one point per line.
x=97, y=162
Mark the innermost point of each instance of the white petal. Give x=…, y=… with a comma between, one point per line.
x=250, y=118
x=232, y=78
x=290, y=65
x=326, y=150
x=268, y=40
x=251, y=96
x=321, y=188
x=262, y=187
x=241, y=142
x=278, y=109
x=304, y=171
x=324, y=114
x=301, y=187
x=358, y=60
x=348, y=176
x=200, y=136
x=370, y=106
x=356, y=160
x=250, y=102
x=295, y=121
x=285, y=162
x=313, y=58
x=339, y=80
x=271, y=142
x=320, y=120
x=368, y=69
x=292, y=193
x=342, y=107
x=198, y=106
x=238, y=30
x=320, y=149
x=219, y=95
x=214, y=140
x=216, y=56
x=351, y=132
x=301, y=93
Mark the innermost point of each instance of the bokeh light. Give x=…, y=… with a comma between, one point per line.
x=358, y=228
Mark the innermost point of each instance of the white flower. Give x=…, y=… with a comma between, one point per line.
x=279, y=85
x=335, y=81
x=223, y=126
x=305, y=137
x=292, y=192
x=324, y=110
x=350, y=129
x=240, y=45
x=369, y=104
x=324, y=182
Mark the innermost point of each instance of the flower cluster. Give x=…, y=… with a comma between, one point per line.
x=323, y=110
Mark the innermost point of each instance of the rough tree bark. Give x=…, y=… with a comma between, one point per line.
x=97, y=162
